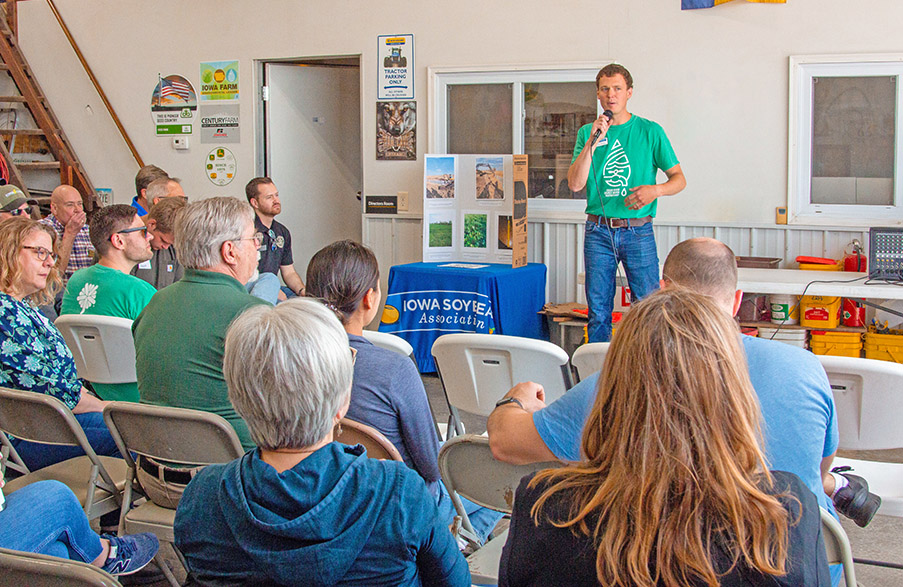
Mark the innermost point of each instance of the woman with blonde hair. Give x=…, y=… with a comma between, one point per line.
x=33, y=354
x=674, y=488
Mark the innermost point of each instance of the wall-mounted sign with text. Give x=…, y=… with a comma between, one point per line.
x=173, y=105
x=220, y=166
x=396, y=67
x=219, y=123
x=219, y=80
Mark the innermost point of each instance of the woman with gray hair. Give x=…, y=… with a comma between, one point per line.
x=302, y=509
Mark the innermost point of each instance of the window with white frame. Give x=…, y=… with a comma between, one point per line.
x=536, y=111
x=845, y=139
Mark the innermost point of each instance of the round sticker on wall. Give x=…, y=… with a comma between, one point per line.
x=220, y=166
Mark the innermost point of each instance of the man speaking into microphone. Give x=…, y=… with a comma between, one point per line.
x=617, y=158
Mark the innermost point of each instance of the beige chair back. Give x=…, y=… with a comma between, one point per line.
x=589, y=358
x=38, y=570
x=377, y=445
x=102, y=346
x=837, y=546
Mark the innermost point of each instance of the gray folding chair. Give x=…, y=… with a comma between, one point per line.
x=174, y=435
x=476, y=370
x=469, y=470
x=588, y=359
x=837, y=546
x=102, y=346
x=97, y=481
x=377, y=445
x=39, y=570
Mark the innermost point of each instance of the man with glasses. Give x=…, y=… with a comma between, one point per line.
x=163, y=269
x=276, y=251
x=12, y=203
x=179, y=335
x=106, y=289
x=67, y=218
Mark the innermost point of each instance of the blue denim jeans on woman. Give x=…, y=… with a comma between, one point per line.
x=635, y=248
x=46, y=518
x=37, y=455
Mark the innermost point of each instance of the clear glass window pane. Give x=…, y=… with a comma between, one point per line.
x=554, y=113
x=853, y=122
x=480, y=119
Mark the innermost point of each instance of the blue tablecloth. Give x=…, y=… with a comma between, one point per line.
x=427, y=300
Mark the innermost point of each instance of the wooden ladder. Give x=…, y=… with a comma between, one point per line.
x=48, y=127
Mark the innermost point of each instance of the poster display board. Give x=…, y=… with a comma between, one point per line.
x=219, y=80
x=471, y=211
x=173, y=105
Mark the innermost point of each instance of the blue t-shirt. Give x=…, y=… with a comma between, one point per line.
x=798, y=419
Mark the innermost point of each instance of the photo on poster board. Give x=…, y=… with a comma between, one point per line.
x=219, y=80
x=396, y=131
x=505, y=232
x=490, y=178
x=441, y=229
x=439, y=178
x=173, y=105
x=476, y=230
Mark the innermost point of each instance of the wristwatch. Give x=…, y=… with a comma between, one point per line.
x=509, y=400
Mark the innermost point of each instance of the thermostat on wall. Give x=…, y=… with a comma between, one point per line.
x=180, y=143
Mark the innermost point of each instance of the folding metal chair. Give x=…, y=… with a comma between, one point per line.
x=377, y=445
x=837, y=546
x=39, y=570
x=97, y=481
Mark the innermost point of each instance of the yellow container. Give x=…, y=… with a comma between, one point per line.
x=839, y=344
x=819, y=312
x=819, y=267
x=884, y=347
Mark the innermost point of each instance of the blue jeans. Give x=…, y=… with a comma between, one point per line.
x=482, y=519
x=37, y=455
x=635, y=248
x=46, y=518
x=266, y=287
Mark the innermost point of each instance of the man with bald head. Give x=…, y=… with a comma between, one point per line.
x=799, y=422
x=67, y=218
x=165, y=187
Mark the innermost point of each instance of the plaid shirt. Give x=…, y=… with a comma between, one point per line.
x=82, y=254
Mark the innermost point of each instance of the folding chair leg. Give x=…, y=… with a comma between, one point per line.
x=167, y=572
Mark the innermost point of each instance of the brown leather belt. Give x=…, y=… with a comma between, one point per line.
x=169, y=475
x=618, y=222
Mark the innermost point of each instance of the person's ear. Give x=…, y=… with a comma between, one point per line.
x=738, y=299
x=371, y=298
x=227, y=251
x=151, y=224
x=254, y=203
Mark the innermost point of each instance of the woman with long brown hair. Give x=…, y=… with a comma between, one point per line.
x=674, y=488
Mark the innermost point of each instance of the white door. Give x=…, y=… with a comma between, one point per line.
x=313, y=146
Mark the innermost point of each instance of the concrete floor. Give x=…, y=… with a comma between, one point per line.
x=881, y=540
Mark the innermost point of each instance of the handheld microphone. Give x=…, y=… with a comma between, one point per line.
x=607, y=114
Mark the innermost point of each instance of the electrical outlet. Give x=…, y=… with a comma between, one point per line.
x=402, y=201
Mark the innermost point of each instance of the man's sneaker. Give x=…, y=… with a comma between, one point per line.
x=129, y=554
x=854, y=501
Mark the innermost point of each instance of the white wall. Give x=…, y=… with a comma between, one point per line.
x=716, y=79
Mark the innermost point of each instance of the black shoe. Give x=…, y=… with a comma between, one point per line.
x=854, y=501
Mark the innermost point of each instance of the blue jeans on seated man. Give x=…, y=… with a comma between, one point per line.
x=482, y=519
x=266, y=287
x=38, y=456
x=46, y=518
x=635, y=248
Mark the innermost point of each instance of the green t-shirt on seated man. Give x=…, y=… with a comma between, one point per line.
x=635, y=151
x=180, y=340
x=104, y=291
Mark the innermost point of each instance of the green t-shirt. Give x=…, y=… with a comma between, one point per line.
x=180, y=341
x=103, y=291
x=636, y=150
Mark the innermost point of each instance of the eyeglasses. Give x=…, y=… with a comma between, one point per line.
x=18, y=211
x=257, y=238
x=41, y=253
x=137, y=229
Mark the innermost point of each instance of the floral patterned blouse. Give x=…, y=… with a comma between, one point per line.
x=33, y=354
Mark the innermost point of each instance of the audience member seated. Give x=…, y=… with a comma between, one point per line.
x=387, y=392
x=302, y=509
x=12, y=203
x=674, y=488
x=163, y=269
x=179, y=334
x=67, y=218
x=800, y=425
x=45, y=517
x=164, y=187
x=106, y=289
x=145, y=176
x=33, y=354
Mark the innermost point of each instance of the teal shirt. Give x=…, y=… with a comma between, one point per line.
x=636, y=150
x=104, y=291
x=180, y=340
